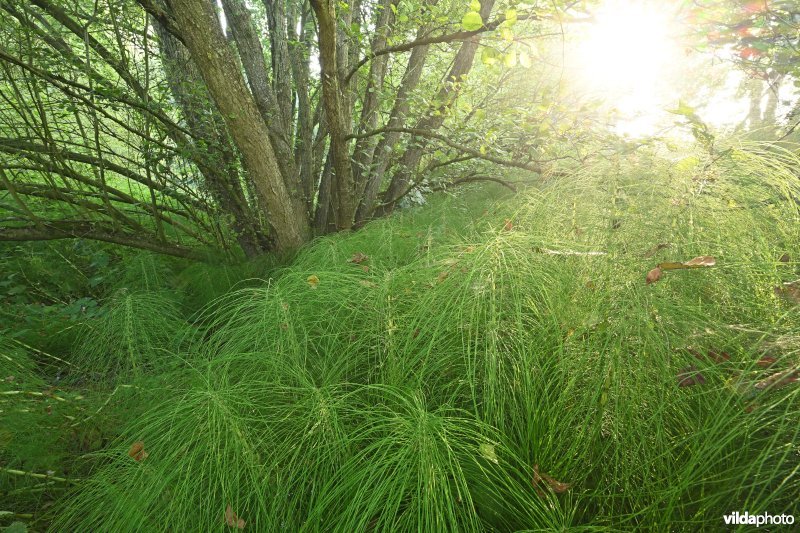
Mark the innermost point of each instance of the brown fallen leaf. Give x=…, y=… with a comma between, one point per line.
x=785, y=258
x=653, y=276
x=671, y=265
x=366, y=283
x=779, y=379
x=442, y=275
x=717, y=357
x=542, y=478
x=766, y=361
x=655, y=249
x=690, y=376
x=702, y=261
x=359, y=258
x=365, y=268
x=789, y=291
x=137, y=451
x=697, y=262
x=313, y=281
x=508, y=225
x=231, y=520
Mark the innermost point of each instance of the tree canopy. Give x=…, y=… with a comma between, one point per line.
x=180, y=125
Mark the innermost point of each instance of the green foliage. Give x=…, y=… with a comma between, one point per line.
x=133, y=335
x=472, y=21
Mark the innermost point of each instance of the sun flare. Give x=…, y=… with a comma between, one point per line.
x=627, y=57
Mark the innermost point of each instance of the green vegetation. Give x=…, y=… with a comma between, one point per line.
x=490, y=361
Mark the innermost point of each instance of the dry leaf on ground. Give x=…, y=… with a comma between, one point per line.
x=231, y=520
x=137, y=451
x=690, y=376
x=359, y=258
x=542, y=478
x=653, y=276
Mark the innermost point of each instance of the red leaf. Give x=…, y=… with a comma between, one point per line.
x=718, y=357
x=689, y=376
x=755, y=6
x=653, y=276
x=748, y=53
x=766, y=361
x=542, y=478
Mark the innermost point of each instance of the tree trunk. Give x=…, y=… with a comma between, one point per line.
x=434, y=119
x=252, y=55
x=382, y=152
x=304, y=140
x=364, y=149
x=281, y=68
x=217, y=161
x=333, y=99
x=199, y=26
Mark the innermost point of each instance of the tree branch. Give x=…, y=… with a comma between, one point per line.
x=534, y=167
x=80, y=229
x=436, y=39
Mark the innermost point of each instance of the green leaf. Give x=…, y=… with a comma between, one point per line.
x=472, y=21
x=15, y=527
x=488, y=453
x=683, y=109
x=510, y=59
x=511, y=17
x=475, y=5
x=489, y=56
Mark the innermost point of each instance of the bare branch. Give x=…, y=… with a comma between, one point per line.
x=80, y=229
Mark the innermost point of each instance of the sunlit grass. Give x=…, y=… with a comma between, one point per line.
x=420, y=392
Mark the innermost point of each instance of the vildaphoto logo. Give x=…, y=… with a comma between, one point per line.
x=739, y=519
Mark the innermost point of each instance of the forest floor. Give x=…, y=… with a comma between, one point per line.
x=616, y=351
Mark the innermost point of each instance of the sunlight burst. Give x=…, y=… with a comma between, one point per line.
x=626, y=57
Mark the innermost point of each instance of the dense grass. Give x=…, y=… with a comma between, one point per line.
x=486, y=337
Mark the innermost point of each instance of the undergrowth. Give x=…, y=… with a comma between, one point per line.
x=484, y=363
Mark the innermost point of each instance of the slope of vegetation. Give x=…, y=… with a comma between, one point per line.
x=488, y=362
